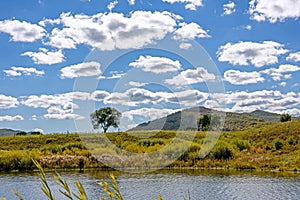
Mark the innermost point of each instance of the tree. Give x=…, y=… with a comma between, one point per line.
x=285, y=117
x=203, y=122
x=105, y=118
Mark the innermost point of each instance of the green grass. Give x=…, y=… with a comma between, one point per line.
x=274, y=146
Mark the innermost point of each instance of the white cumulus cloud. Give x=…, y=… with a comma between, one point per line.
x=242, y=78
x=81, y=70
x=190, y=31
x=277, y=73
x=46, y=57
x=8, y=102
x=109, y=31
x=229, y=8
x=275, y=10
x=246, y=53
x=190, y=4
x=156, y=64
x=191, y=76
x=11, y=118
x=28, y=71
x=22, y=31
x=295, y=57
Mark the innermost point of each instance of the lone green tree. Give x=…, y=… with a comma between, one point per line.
x=105, y=118
x=203, y=122
x=285, y=117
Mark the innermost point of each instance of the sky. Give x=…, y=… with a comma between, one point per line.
x=62, y=59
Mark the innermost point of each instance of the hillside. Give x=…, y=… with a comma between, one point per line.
x=8, y=132
x=269, y=147
x=186, y=119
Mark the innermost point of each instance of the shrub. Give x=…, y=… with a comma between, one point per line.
x=222, y=152
x=242, y=144
x=278, y=144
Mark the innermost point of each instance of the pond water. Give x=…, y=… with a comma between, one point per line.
x=170, y=184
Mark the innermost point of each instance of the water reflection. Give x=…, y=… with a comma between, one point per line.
x=171, y=184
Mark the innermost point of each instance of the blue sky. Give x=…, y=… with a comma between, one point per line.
x=62, y=59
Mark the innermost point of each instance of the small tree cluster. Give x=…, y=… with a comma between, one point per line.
x=285, y=117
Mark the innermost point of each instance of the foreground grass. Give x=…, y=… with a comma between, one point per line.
x=271, y=147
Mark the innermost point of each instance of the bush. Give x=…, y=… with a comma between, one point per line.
x=222, y=152
x=242, y=144
x=278, y=144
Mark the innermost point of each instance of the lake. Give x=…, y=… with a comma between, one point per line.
x=171, y=184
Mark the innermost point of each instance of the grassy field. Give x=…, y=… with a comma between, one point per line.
x=273, y=146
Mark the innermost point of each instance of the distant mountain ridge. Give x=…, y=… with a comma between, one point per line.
x=187, y=118
x=8, y=132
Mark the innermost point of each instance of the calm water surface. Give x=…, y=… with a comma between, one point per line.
x=171, y=184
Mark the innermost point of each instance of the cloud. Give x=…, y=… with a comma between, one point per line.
x=156, y=64
x=277, y=73
x=148, y=113
x=135, y=97
x=112, y=5
x=295, y=57
x=11, y=118
x=242, y=78
x=59, y=106
x=8, y=102
x=191, y=76
x=246, y=53
x=38, y=130
x=270, y=100
x=131, y=2
x=22, y=31
x=136, y=84
x=46, y=57
x=247, y=27
x=189, y=32
x=273, y=11
x=190, y=4
x=229, y=8
x=81, y=70
x=33, y=118
x=18, y=71
x=109, y=31
x=185, y=45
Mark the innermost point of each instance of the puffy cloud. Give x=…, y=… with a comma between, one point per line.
x=11, y=118
x=190, y=4
x=242, y=78
x=229, y=8
x=61, y=114
x=22, y=31
x=185, y=45
x=8, y=102
x=135, y=97
x=59, y=106
x=270, y=100
x=189, y=32
x=191, y=76
x=18, y=71
x=136, y=84
x=295, y=57
x=277, y=73
x=275, y=10
x=246, y=53
x=148, y=113
x=109, y=31
x=38, y=130
x=156, y=64
x=111, y=5
x=81, y=70
x=45, y=56
x=131, y=2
